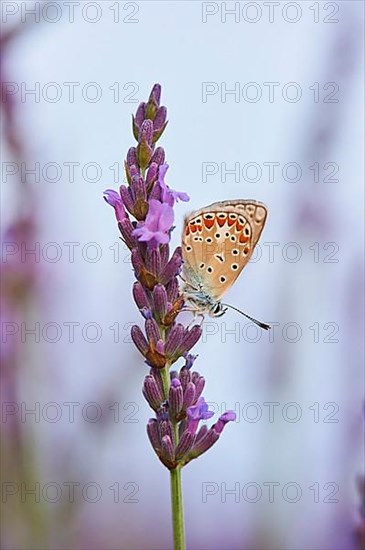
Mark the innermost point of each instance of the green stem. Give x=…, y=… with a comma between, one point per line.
x=177, y=509
x=165, y=375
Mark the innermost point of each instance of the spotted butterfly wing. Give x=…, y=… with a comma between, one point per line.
x=218, y=241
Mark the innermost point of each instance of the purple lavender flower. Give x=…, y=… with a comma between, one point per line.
x=228, y=416
x=157, y=225
x=196, y=413
x=168, y=195
x=114, y=199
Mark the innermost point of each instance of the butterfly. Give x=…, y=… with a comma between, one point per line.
x=217, y=243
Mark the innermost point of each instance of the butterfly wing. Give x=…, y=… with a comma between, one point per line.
x=219, y=240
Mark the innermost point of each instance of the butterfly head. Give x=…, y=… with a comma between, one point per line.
x=199, y=301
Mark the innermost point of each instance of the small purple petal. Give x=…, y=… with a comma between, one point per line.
x=114, y=199
x=229, y=416
x=157, y=225
x=169, y=196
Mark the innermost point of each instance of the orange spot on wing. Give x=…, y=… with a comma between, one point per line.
x=192, y=227
x=239, y=226
x=221, y=221
x=231, y=221
x=243, y=239
x=208, y=223
x=187, y=231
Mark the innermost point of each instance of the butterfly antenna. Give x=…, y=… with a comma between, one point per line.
x=258, y=323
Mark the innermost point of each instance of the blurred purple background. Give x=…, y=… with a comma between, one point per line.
x=264, y=102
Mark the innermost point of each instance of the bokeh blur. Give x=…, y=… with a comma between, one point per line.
x=265, y=101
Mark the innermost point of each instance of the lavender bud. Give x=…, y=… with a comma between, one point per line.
x=168, y=451
x=172, y=267
x=139, y=339
x=173, y=374
x=126, y=228
x=154, y=434
x=139, y=118
x=166, y=429
x=190, y=339
x=189, y=395
x=146, y=132
x=174, y=340
x=132, y=156
x=156, y=374
x=137, y=261
x=152, y=393
x=158, y=156
x=140, y=296
x=186, y=442
x=175, y=398
x=152, y=331
x=151, y=173
x=134, y=170
x=164, y=254
x=201, y=433
x=155, y=192
x=126, y=198
x=185, y=377
x=160, y=118
x=172, y=289
x=199, y=382
x=153, y=261
x=159, y=302
x=138, y=188
x=155, y=94
x=203, y=444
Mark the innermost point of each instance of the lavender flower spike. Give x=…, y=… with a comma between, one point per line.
x=144, y=212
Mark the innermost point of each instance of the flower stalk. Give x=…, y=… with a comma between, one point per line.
x=144, y=210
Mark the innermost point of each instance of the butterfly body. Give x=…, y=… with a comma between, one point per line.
x=217, y=243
